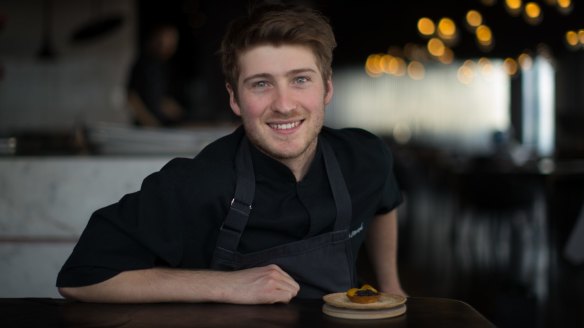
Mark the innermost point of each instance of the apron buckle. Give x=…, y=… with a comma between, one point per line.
x=240, y=206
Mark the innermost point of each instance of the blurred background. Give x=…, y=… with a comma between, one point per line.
x=481, y=101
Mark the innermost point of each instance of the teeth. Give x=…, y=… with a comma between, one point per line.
x=285, y=126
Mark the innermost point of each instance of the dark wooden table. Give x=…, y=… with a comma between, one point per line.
x=41, y=312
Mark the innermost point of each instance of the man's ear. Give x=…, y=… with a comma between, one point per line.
x=233, y=100
x=328, y=95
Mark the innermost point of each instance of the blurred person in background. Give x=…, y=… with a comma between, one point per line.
x=152, y=90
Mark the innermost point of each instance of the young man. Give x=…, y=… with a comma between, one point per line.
x=276, y=210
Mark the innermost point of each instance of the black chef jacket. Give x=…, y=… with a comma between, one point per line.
x=175, y=218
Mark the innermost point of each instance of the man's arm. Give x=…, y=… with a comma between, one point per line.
x=381, y=245
x=269, y=284
x=139, y=110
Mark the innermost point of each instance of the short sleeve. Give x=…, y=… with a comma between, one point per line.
x=391, y=196
x=141, y=231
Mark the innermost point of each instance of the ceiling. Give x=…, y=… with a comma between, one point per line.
x=363, y=27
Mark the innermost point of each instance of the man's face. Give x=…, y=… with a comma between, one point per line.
x=281, y=98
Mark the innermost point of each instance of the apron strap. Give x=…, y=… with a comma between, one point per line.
x=338, y=187
x=238, y=215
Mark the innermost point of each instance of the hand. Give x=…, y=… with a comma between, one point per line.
x=261, y=285
x=171, y=109
x=396, y=290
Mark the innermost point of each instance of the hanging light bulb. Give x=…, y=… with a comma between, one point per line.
x=565, y=6
x=510, y=66
x=373, y=65
x=392, y=67
x=525, y=61
x=465, y=73
x=474, y=19
x=416, y=70
x=533, y=14
x=571, y=38
x=426, y=26
x=484, y=37
x=513, y=7
x=447, y=57
x=485, y=66
x=447, y=30
x=436, y=47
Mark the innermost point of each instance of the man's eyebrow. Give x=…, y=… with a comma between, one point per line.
x=257, y=76
x=300, y=71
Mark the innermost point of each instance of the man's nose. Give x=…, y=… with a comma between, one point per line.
x=283, y=100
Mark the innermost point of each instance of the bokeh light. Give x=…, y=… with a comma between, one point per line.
x=447, y=29
x=426, y=26
x=416, y=70
x=510, y=66
x=474, y=19
x=533, y=13
x=436, y=47
x=513, y=6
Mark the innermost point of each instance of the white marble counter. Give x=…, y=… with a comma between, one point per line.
x=45, y=202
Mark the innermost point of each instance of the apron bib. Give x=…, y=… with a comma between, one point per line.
x=321, y=264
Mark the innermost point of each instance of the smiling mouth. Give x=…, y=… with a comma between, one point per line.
x=284, y=126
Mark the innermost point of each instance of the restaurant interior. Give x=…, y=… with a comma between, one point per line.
x=481, y=103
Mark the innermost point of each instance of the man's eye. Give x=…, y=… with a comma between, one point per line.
x=301, y=80
x=260, y=84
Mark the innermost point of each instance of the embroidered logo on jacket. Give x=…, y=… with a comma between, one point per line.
x=356, y=231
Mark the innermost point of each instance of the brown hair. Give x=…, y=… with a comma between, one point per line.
x=278, y=24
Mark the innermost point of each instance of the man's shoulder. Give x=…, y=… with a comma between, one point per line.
x=218, y=154
x=222, y=149
x=353, y=139
x=359, y=147
x=349, y=134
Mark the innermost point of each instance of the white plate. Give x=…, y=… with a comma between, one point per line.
x=385, y=301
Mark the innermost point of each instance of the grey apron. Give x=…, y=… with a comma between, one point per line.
x=321, y=264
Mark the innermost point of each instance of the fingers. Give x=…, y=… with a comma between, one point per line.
x=279, y=281
x=268, y=284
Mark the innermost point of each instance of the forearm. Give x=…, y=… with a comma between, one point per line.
x=149, y=285
x=382, y=244
x=139, y=110
x=252, y=286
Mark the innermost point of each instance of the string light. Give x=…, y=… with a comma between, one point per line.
x=525, y=61
x=486, y=67
x=533, y=14
x=564, y=6
x=436, y=47
x=447, y=29
x=416, y=70
x=465, y=73
x=385, y=63
x=444, y=33
x=373, y=65
x=510, y=66
x=513, y=6
x=426, y=26
x=474, y=19
x=572, y=39
x=484, y=37
x=447, y=57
